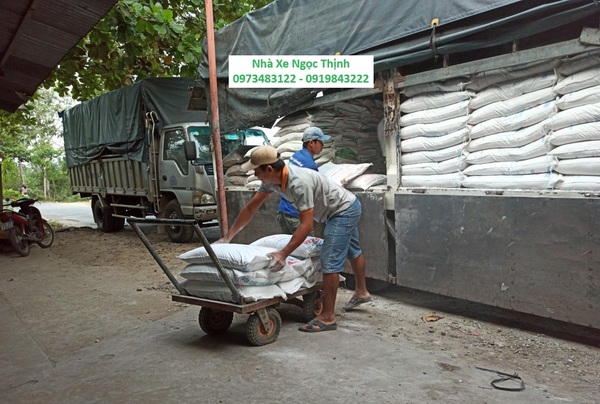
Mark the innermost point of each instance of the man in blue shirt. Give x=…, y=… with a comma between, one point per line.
x=313, y=141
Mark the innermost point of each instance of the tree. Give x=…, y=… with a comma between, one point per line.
x=137, y=39
x=33, y=141
x=142, y=38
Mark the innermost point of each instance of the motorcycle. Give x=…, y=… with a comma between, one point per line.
x=25, y=226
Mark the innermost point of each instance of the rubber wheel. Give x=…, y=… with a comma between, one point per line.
x=213, y=321
x=100, y=217
x=117, y=223
x=177, y=234
x=311, y=305
x=19, y=244
x=256, y=333
x=105, y=221
x=48, y=237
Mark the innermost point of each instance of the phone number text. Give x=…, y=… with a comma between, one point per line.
x=297, y=79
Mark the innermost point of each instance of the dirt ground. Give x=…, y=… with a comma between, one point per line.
x=90, y=279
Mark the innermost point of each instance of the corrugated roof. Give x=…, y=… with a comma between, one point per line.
x=35, y=35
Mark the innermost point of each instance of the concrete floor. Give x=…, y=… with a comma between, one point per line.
x=173, y=361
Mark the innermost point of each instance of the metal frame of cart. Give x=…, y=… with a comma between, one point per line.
x=215, y=317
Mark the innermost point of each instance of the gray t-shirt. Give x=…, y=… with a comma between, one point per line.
x=308, y=189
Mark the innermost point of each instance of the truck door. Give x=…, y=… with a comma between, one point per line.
x=174, y=168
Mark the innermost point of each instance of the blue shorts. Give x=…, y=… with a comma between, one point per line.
x=341, y=239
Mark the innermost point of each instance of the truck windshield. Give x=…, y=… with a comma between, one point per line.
x=201, y=136
x=230, y=142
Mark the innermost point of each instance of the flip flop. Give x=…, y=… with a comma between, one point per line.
x=355, y=302
x=310, y=326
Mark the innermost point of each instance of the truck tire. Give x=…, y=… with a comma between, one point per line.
x=105, y=221
x=177, y=234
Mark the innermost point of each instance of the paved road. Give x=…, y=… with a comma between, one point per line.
x=79, y=214
x=75, y=214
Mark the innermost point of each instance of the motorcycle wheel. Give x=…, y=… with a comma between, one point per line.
x=19, y=244
x=48, y=236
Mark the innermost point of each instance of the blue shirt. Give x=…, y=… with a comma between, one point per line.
x=302, y=158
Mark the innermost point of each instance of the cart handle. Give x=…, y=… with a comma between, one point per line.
x=133, y=221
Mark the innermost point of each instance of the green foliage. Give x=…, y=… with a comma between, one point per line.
x=32, y=147
x=136, y=39
x=142, y=38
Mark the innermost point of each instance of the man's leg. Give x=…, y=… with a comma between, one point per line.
x=325, y=321
x=360, y=280
x=328, y=296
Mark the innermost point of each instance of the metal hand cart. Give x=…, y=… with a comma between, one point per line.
x=215, y=317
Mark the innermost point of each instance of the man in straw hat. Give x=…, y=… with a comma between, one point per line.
x=317, y=198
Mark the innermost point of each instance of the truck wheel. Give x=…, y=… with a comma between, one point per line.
x=177, y=234
x=117, y=223
x=105, y=221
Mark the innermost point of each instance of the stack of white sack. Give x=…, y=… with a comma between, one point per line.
x=575, y=130
x=247, y=266
x=433, y=134
x=508, y=147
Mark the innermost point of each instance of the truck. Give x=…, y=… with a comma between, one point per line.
x=465, y=223
x=125, y=150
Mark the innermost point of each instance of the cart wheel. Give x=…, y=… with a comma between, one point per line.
x=213, y=321
x=311, y=305
x=256, y=332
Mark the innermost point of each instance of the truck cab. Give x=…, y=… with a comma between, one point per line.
x=188, y=186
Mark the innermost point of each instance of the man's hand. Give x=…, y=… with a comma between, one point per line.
x=279, y=259
x=221, y=241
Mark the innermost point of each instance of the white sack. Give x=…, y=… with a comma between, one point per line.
x=290, y=146
x=586, y=96
x=578, y=81
x=512, y=106
x=210, y=273
x=523, y=119
x=434, y=115
x=537, y=165
x=442, y=181
x=343, y=173
x=533, y=181
x=444, y=167
x=231, y=255
x=220, y=291
x=310, y=247
x=512, y=89
x=423, y=143
x=579, y=166
x=433, y=100
x=535, y=149
x=579, y=183
x=488, y=78
x=366, y=181
x=577, y=63
x=577, y=150
x=447, y=86
x=434, y=156
x=434, y=129
x=575, y=133
x=516, y=138
x=278, y=141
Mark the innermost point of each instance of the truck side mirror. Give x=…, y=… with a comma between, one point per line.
x=189, y=148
